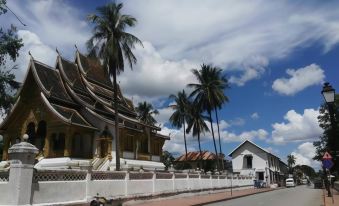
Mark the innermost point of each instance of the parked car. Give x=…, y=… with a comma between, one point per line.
x=318, y=183
x=290, y=182
x=304, y=181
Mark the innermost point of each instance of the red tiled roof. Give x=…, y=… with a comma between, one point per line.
x=194, y=156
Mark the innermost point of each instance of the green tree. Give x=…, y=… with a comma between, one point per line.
x=10, y=45
x=167, y=159
x=328, y=140
x=290, y=161
x=209, y=93
x=196, y=124
x=145, y=113
x=179, y=117
x=111, y=43
x=307, y=170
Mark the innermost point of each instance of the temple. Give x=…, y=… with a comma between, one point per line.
x=68, y=114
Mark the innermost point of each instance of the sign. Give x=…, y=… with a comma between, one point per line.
x=327, y=156
x=328, y=163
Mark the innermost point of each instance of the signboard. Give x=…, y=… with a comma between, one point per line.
x=328, y=163
x=327, y=156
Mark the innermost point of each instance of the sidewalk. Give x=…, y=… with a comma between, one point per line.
x=198, y=199
x=329, y=201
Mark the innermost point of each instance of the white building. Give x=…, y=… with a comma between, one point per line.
x=251, y=159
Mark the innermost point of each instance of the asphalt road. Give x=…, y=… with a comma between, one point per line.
x=298, y=196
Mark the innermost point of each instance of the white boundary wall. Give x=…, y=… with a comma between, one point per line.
x=80, y=186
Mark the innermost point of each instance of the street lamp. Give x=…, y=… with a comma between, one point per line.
x=329, y=95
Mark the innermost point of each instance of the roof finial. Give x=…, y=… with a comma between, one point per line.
x=76, y=47
x=29, y=52
x=56, y=49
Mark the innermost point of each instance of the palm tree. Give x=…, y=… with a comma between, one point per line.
x=208, y=93
x=196, y=123
x=145, y=112
x=290, y=161
x=220, y=79
x=114, y=46
x=179, y=116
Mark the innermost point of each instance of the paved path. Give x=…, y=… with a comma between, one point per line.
x=298, y=196
x=332, y=201
x=196, y=198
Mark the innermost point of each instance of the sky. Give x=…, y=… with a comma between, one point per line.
x=276, y=56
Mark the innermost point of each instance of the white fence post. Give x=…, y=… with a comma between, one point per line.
x=22, y=156
x=88, y=167
x=153, y=181
x=173, y=181
x=126, y=183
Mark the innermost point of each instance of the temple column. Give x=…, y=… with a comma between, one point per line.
x=68, y=146
x=68, y=142
x=47, y=145
x=148, y=132
x=5, y=148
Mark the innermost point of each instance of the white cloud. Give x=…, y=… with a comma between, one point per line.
x=299, y=79
x=50, y=25
x=299, y=127
x=38, y=49
x=155, y=76
x=243, y=39
x=304, y=154
x=237, y=122
x=255, y=115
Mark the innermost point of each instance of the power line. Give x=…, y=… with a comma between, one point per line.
x=15, y=15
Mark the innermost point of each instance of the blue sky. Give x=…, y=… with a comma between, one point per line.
x=276, y=55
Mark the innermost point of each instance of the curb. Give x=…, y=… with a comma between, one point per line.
x=235, y=197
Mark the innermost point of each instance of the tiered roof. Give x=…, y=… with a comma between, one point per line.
x=76, y=90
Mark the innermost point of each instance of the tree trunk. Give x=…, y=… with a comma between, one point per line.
x=222, y=160
x=200, y=157
x=117, y=142
x=185, y=144
x=215, y=146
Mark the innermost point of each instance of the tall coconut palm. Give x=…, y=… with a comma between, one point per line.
x=208, y=93
x=179, y=117
x=222, y=81
x=145, y=113
x=196, y=124
x=111, y=43
x=290, y=161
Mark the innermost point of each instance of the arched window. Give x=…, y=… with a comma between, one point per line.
x=41, y=134
x=30, y=130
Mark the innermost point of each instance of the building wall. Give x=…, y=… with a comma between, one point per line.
x=259, y=157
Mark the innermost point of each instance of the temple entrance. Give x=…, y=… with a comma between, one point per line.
x=82, y=145
x=103, y=148
x=105, y=143
x=37, y=136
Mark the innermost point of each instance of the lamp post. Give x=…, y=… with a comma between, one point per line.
x=329, y=95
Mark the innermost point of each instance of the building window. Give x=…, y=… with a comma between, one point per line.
x=40, y=135
x=30, y=131
x=128, y=144
x=144, y=145
x=156, y=148
x=58, y=141
x=249, y=162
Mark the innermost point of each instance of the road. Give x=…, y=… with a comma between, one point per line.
x=298, y=196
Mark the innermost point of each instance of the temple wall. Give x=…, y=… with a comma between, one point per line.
x=81, y=186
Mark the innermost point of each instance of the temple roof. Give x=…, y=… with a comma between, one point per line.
x=73, y=91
